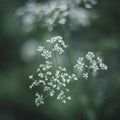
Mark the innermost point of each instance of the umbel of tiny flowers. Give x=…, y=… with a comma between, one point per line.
x=57, y=45
x=89, y=62
x=55, y=81
x=54, y=12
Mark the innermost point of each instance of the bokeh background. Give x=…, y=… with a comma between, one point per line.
x=95, y=99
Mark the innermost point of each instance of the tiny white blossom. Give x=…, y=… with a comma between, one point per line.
x=69, y=98
x=85, y=75
x=80, y=63
x=52, y=92
x=44, y=52
x=93, y=65
x=103, y=66
x=40, y=48
x=64, y=101
x=41, y=75
x=31, y=76
x=90, y=55
x=39, y=99
x=74, y=76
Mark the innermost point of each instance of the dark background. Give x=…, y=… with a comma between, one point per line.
x=97, y=99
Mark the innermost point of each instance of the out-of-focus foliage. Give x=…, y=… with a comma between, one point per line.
x=94, y=99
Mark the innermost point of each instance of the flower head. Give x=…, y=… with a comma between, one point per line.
x=54, y=12
x=54, y=80
x=89, y=63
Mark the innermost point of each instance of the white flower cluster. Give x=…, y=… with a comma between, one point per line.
x=54, y=80
x=90, y=62
x=54, y=12
x=39, y=100
x=45, y=53
x=59, y=44
x=56, y=44
x=48, y=14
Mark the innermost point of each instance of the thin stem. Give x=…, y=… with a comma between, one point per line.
x=67, y=36
x=56, y=60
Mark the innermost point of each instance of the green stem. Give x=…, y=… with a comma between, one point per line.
x=67, y=36
x=56, y=60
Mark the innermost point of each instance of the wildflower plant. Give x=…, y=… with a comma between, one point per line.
x=51, y=77
x=55, y=79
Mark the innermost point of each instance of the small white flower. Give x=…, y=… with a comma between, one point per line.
x=93, y=65
x=74, y=76
x=103, y=66
x=90, y=55
x=39, y=99
x=69, y=98
x=64, y=101
x=85, y=75
x=99, y=60
x=31, y=76
x=47, y=54
x=40, y=48
x=41, y=75
x=80, y=63
x=44, y=52
x=52, y=92
x=46, y=88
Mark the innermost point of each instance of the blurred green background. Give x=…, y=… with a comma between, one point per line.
x=95, y=99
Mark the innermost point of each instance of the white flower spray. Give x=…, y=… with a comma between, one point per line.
x=54, y=80
x=55, y=12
